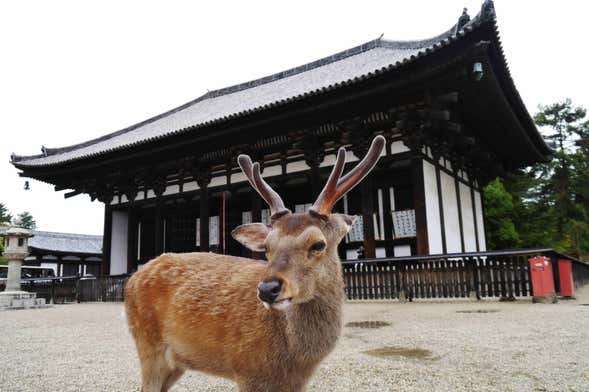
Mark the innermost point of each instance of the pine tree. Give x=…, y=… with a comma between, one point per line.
x=25, y=220
x=563, y=121
x=5, y=216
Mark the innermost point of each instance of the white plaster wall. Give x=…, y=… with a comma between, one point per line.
x=272, y=171
x=398, y=147
x=480, y=221
x=432, y=209
x=218, y=181
x=118, y=245
x=350, y=157
x=172, y=189
x=329, y=160
x=451, y=223
x=238, y=177
x=297, y=166
x=190, y=186
x=470, y=241
x=402, y=250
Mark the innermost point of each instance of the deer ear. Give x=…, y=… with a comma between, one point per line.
x=346, y=222
x=252, y=236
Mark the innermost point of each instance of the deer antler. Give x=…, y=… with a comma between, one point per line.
x=252, y=172
x=336, y=187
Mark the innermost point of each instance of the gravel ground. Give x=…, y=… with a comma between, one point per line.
x=427, y=346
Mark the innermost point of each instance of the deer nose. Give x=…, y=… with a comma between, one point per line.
x=269, y=290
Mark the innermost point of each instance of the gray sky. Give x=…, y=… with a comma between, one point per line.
x=74, y=70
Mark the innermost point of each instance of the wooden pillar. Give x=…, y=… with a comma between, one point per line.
x=233, y=219
x=474, y=214
x=367, y=208
x=459, y=205
x=387, y=220
x=419, y=205
x=106, y=239
x=131, y=239
x=256, y=217
x=315, y=181
x=159, y=227
x=202, y=176
x=204, y=218
x=441, y=208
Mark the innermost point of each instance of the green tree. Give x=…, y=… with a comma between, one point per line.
x=562, y=122
x=25, y=220
x=5, y=219
x=501, y=232
x=5, y=216
x=551, y=199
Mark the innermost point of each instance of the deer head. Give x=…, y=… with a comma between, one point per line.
x=301, y=248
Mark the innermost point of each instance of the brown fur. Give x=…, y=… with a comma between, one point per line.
x=201, y=311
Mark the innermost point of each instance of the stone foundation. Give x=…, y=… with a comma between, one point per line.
x=12, y=300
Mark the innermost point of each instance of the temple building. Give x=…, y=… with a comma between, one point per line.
x=447, y=106
x=68, y=254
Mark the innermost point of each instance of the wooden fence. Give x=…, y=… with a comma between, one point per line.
x=500, y=274
x=57, y=290
x=103, y=289
x=67, y=289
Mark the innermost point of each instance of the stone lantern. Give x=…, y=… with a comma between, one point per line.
x=16, y=248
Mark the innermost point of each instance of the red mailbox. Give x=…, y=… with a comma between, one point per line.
x=565, y=273
x=542, y=279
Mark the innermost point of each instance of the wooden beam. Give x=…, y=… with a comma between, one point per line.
x=204, y=219
x=441, y=207
x=72, y=194
x=256, y=217
x=131, y=239
x=419, y=205
x=388, y=219
x=459, y=204
x=474, y=215
x=106, y=240
x=367, y=208
x=158, y=227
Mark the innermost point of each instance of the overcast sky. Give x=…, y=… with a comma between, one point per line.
x=71, y=70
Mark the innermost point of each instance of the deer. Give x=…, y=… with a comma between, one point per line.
x=265, y=325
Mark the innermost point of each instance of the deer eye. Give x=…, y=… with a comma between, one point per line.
x=317, y=246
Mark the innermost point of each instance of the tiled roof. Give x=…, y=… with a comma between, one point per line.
x=63, y=242
x=66, y=242
x=331, y=72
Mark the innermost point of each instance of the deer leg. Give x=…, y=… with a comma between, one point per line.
x=154, y=371
x=172, y=378
x=261, y=386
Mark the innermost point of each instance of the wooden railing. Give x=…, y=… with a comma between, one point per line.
x=66, y=289
x=103, y=289
x=498, y=274
x=57, y=290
